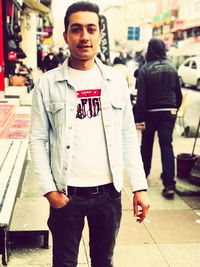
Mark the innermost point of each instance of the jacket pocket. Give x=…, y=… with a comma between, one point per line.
x=55, y=112
x=117, y=104
x=117, y=110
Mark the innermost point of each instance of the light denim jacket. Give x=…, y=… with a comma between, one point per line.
x=54, y=106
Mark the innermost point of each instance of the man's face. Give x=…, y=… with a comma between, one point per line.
x=83, y=36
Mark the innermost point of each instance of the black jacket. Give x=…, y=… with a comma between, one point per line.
x=158, y=82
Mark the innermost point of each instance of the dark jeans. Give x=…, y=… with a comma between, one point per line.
x=103, y=213
x=163, y=122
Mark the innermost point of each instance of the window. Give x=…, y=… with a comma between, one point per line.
x=187, y=64
x=193, y=65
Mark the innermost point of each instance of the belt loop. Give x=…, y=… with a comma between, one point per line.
x=74, y=191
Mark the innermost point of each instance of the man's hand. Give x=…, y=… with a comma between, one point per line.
x=141, y=205
x=57, y=199
x=141, y=126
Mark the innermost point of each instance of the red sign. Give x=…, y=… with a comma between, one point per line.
x=12, y=56
x=1, y=51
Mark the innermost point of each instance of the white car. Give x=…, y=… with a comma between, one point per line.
x=189, y=72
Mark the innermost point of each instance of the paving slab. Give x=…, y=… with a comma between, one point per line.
x=147, y=255
x=173, y=226
x=181, y=255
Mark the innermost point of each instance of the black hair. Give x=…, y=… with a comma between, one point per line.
x=118, y=60
x=156, y=50
x=81, y=6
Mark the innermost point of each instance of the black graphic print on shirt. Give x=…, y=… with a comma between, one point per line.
x=89, y=103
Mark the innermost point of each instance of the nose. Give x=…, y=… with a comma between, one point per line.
x=84, y=35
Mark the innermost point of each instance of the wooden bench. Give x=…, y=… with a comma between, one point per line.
x=13, y=159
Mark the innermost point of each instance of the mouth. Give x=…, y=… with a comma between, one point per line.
x=84, y=47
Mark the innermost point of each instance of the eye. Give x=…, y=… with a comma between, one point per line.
x=91, y=30
x=75, y=29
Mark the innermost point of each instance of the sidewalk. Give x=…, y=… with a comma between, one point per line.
x=170, y=235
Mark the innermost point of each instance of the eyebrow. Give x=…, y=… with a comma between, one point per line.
x=80, y=25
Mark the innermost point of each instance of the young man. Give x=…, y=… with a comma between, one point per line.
x=159, y=97
x=82, y=111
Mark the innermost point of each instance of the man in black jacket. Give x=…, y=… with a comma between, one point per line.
x=159, y=97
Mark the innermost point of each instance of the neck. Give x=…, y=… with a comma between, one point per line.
x=81, y=64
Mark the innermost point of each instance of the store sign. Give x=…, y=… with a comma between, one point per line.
x=12, y=56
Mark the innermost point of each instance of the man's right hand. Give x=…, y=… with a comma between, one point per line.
x=57, y=199
x=141, y=126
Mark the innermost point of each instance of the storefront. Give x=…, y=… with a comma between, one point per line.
x=18, y=36
x=1, y=51
x=162, y=25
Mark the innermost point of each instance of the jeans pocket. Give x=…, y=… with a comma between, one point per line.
x=56, y=215
x=113, y=194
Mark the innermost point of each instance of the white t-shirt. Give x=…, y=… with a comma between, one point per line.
x=90, y=164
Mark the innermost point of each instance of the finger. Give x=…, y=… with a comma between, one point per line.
x=135, y=209
x=143, y=214
x=141, y=217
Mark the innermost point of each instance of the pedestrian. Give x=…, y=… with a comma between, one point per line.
x=61, y=56
x=50, y=61
x=158, y=99
x=119, y=64
x=82, y=111
x=140, y=59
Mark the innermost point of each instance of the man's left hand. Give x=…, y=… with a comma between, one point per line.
x=141, y=205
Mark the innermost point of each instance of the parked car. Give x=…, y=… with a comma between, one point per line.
x=189, y=72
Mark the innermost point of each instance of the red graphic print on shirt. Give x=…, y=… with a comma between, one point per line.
x=90, y=104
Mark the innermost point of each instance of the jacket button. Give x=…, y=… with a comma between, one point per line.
x=65, y=168
x=68, y=147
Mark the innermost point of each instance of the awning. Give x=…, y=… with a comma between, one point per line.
x=36, y=6
x=192, y=49
x=186, y=25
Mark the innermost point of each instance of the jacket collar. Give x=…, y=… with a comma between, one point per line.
x=62, y=71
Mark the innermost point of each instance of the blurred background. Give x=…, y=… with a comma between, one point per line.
x=31, y=29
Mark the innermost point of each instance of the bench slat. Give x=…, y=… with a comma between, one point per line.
x=8, y=167
x=6, y=211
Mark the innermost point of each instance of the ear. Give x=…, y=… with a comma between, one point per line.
x=100, y=37
x=65, y=36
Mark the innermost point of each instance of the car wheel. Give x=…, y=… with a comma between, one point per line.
x=198, y=85
x=181, y=82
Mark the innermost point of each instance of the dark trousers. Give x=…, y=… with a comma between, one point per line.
x=103, y=213
x=163, y=122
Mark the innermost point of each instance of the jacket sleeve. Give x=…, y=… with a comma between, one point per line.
x=178, y=92
x=131, y=149
x=38, y=142
x=140, y=107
